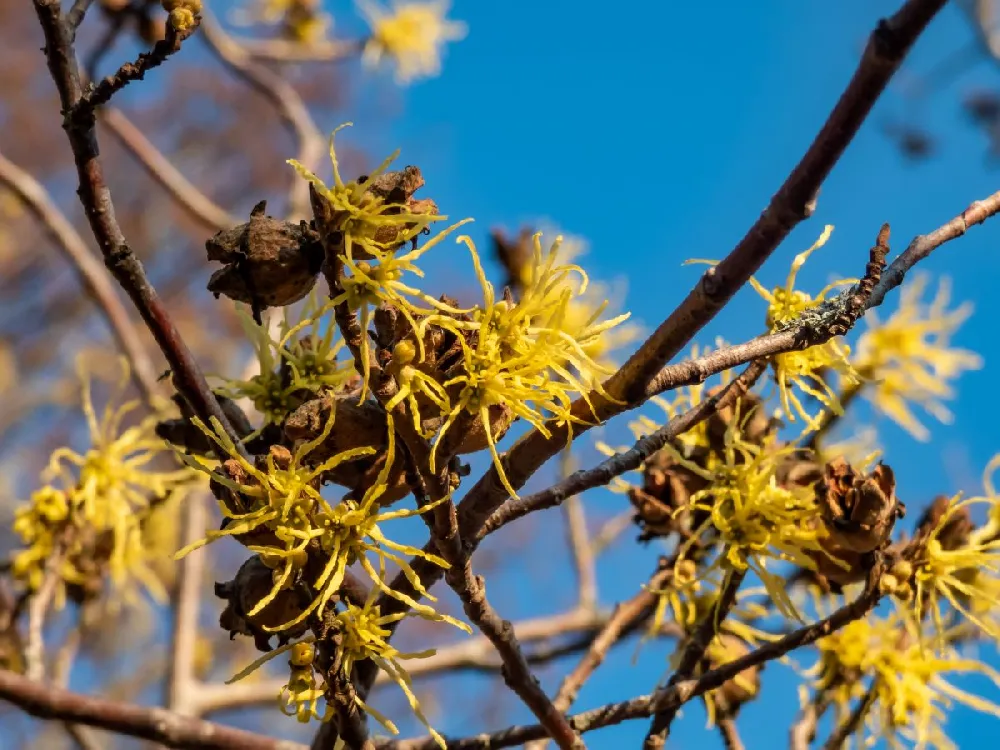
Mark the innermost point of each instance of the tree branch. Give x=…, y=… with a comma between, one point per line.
x=647, y=705
x=172, y=730
x=884, y=53
x=96, y=199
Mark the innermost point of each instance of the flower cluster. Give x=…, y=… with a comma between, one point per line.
x=521, y=356
x=300, y=362
x=87, y=520
x=911, y=692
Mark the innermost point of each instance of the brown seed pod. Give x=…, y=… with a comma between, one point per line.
x=253, y=582
x=754, y=424
x=859, y=511
x=269, y=263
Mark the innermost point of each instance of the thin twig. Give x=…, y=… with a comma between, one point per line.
x=474, y=654
x=620, y=463
x=74, y=16
x=101, y=92
x=290, y=106
x=93, y=276
x=850, y=725
x=181, y=680
x=647, y=705
x=580, y=548
x=803, y=731
x=694, y=651
x=96, y=199
x=170, y=729
x=925, y=244
x=730, y=734
x=884, y=53
x=627, y=617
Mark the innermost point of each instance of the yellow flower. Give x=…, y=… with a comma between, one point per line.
x=521, y=355
x=912, y=696
x=804, y=370
x=285, y=501
x=105, y=493
x=301, y=20
x=411, y=35
x=966, y=578
x=758, y=520
x=374, y=232
x=364, y=634
x=301, y=361
x=910, y=359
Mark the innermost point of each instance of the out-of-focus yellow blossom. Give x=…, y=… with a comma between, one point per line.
x=758, y=521
x=805, y=370
x=300, y=361
x=521, y=356
x=909, y=360
x=98, y=497
x=912, y=694
x=286, y=501
x=967, y=578
x=411, y=34
x=374, y=231
x=301, y=20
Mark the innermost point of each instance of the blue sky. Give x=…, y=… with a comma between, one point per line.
x=658, y=134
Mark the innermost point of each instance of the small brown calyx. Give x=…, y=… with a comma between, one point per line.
x=268, y=262
x=859, y=511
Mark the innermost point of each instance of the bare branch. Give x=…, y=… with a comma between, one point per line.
x=285, y=99
x=181, y=680
x=101, y=92
x=888, y=45
x=851, y=724
x=96, y=199
x=925, y=244
x=172, y=730
x=730, y=734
